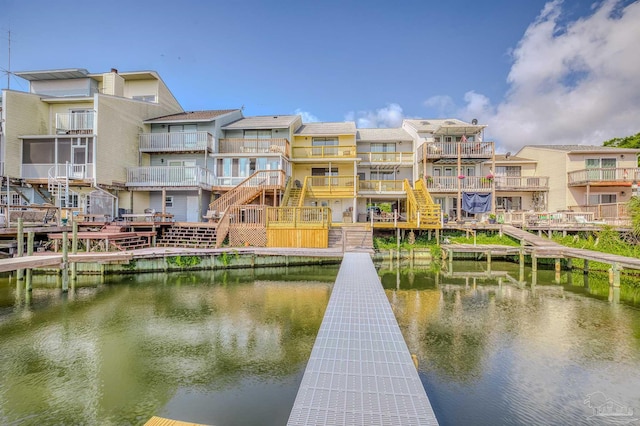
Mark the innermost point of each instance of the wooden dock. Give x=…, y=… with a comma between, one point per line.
x=160, y=421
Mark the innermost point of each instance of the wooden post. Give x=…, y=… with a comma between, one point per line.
x=30, y=238
x=65, y=259
x=570, y=264
x=558, y=269
x=74, y=250
x=20, y=241
x=489, y=261
x=585, y=267
x=615, y=280
x=437, y=237
x=534, y=269
x=450, y=255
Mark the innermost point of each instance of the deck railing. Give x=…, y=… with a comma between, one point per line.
x=75, y=123
x=169, y=176
x=260, y=180
x=248, y=146
x=380, y=186
x=386, y=157
x=434, y=150
x=329, y=151
x=600, y=175
x=176, y=142
x=322, y=186
x=450, y=183
x=604, y=211
x=298, y=217
x=526, y=183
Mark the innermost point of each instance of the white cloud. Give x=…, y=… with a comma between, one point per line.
x=573, y=83
x=389, y=116
x=307, y=117
x=442, y=103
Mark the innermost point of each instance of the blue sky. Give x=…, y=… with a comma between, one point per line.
x=534, y=71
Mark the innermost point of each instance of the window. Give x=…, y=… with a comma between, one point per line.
x=324, y=141
x=509, y=203
x=144, y=98
x=257, y=134
x=513, y=171
x=168, y=201
x=382, y=175
x=602, y=199
x=16, y=200
x=383, y=147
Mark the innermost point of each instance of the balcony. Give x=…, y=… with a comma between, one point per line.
x=450, y=184
x=604, y=176
x=165, y=176
x=330, y=186
x=380, y=187
x=331, y=152
x=438, y=150
x=248, y=146
x=522, y=183
x=176, y=142
x=80, y=123
x=386, y=158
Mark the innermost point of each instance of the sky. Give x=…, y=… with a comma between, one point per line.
x=533, y=71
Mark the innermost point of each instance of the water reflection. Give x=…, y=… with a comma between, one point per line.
x=493, y=349
x=179, y=345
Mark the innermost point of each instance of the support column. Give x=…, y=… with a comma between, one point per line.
x=20, y=247
x=585, y=269
x=30, y=238
x=534, y=269
x=74, y=250
x=489, y=261
x=558, y=269
x=164, y=200
x=65, y=260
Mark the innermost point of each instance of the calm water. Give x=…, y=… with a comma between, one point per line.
x=230, y=347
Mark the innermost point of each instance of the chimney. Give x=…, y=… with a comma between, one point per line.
x=114, y=70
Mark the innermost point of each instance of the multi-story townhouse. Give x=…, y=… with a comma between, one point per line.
x=254, y=144
x=583, y=177
x=517, y=186
x=450, y=155
x=324, y=161
x=176, y=173
x=71, y=137
x=386, y=161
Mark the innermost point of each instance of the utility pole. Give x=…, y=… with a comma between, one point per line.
x=9, y=65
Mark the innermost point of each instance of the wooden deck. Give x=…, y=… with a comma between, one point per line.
x=161, y=421
x=55, y=260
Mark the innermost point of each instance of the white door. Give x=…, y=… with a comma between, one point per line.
x=193, y=215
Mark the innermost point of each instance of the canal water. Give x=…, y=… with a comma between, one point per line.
x=230, y=347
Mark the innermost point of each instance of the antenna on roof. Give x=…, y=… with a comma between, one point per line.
x=507, y=155
x=474, y=121
x=9, y=65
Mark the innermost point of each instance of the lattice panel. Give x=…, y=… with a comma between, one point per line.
x=240, y=236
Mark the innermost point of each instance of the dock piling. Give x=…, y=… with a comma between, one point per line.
x=65, y=262
x=20, y=247
x=30, y=240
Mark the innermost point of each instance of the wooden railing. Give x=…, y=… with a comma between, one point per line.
x=430, y=212
x=386, y=157
x=176, y=142
x=604, y=211
x=263, y=179
x=264, y=146
x=298, y=217
x=597, y=175
x=380, y=186
x=515, y=183
x=335, y=186
x=169, y=176
x=329, y=151
x=433, y=150
x=81, y=122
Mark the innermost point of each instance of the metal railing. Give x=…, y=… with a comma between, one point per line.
x=386, y=157
x=614, y=175
x=176, y=141
x=329, y=151
x=81, y=122
x=169, y=176
x=248, y=146
x=453, y=149
x=298, y=217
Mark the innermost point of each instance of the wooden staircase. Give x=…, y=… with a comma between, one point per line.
x=352, y=238
x=423, y=211
x=189, y=235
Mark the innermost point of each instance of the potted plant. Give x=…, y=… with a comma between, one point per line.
x=492, y=218
x=461, y=176
x=445, y=218
x=428, y=179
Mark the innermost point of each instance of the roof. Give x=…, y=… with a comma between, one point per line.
x=264, y=122
x=503, y=158
x=209, y=115
x=62, y=74
x=445, y=126
x=383, y=135
x=327, y=129
x=583, y=148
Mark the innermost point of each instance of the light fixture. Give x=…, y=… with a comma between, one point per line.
x=162, y=160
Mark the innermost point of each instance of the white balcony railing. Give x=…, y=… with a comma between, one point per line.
x=433, y=150
x=380, y=186
x=75, y=122
x=160, y=176
x=249, y=146
x=450, y=183
x=176, y=142
x=382, y=158
x=522, y=183
x=614, y=176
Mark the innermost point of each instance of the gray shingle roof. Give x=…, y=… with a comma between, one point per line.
x=191, y=116
x=383, y=135
x=583, y=148
x=264, y=122
x=327, y=129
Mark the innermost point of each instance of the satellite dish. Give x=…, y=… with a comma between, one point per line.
x=474, y=121
x=507, y=155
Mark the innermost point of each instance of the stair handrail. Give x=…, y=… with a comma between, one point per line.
x=247, y=186
x=303, y=191
x=287, y=191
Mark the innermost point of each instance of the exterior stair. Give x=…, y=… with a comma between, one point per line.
x=352, y=238
x=429, y=212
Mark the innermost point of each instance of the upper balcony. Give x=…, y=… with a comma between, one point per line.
x=157, y=177
x=604, y=176
x=450, y=184
x=381, y=187
x=386, y=158
x=176, y=142
x=438, y=150
x=522, y=183
x=327, y=152
x=75, y=123
x=330, y=186
x=249, y=146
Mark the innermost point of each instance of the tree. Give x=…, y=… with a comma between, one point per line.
x=633, y=209
x=626, y=142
